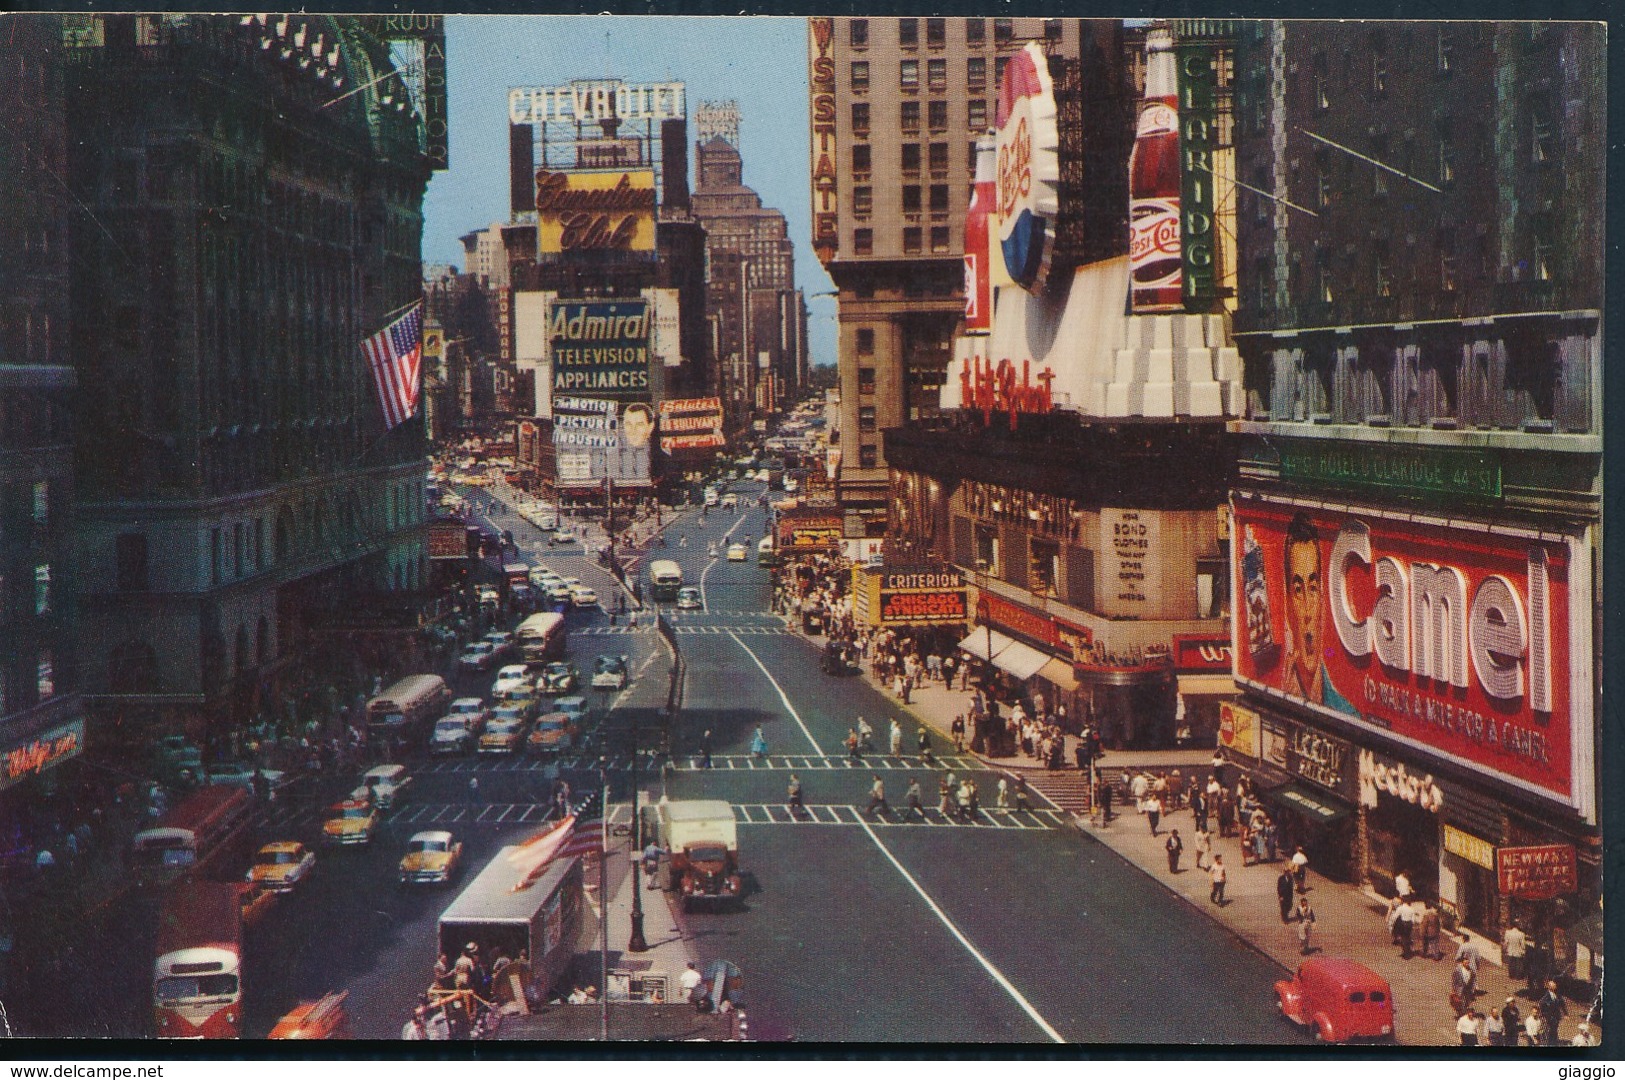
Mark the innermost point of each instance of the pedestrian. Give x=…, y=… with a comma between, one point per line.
x=1402, y=886
x=1582, y=1036
x=1283, y=894
x=1531, y=1027
x=1467, y=1027
x=1461, y=987
x=796, y=809
x=1430, y=933
x=1551, y=1009
x=957, y=731
x=1514, y=949
x=705, y=750
x=442, y=970
x=1469, y=952
x=1305, y=916
x=1174, y=846
x=896, y=738
x=945, y=791
x=1204, y=847
x=1199, y=808
x=1105, y=801
x=1003, y=800
x=1153, y=812
x=688, y=983
x=866, y=736
x=925, y=748
x=417, y=1028
x=473, y=789
x=1217, y=876
x=1140, y=787
x=913, y=800
x=877, y=797
x=1403, y=930
x=1511, y=1022
x=1300, y=869
x=758, y=745
x=1492, y=1030
x=1021, y=793
x=852, y=745
x=963, y=799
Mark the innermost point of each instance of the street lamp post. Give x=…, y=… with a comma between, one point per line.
x=637, y=944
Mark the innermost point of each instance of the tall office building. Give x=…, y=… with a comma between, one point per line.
x=897, y=107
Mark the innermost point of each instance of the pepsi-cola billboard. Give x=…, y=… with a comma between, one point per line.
x=1027, y=167
x=1472, y=644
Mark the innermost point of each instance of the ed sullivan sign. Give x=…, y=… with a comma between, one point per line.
x=1472, y=645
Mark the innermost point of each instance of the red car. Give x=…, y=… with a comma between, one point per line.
x=1339, y=998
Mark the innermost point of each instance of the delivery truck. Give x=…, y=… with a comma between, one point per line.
x=703, y=842
x=540, y=923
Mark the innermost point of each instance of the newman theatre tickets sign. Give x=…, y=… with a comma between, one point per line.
x=600, y=348
x=1465, y=643
x=595, y=211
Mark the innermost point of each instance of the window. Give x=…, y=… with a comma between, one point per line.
x=911, y=159
x=937, y=115
x=939, y=159
x=1052, y=30
x=866, y=418
x=1323, y=189
x=42, y=589
x=939, y=239
x=911, y=240
x=908, y=32
x=999, y=64
x=860, y=158
x=1543, y=261
x=936, y=32
x=970, y=158
x=130, y=561
x=45, y=676
x=259, y=544
x=868, y=457
x=1447, y=162
x=1322, y=73
x=1003, y=31
x=911, y=198
x=1447, y=51
x=976, y=72
x=1541, y=146
x=1447, y=271
x=911, y=116
x=866, y=375
x=866, y=341
x=863, y=200
x=939, y=198
x=1324, y=269
x=1383, y=270
x=975, y=31
x=987, y=549
x=908, y=74
x=217, y=567
x=237, y=549
x=936, y=74
x=860, y=74
x=976, y=112
x=860, y=117
x=1043, y=567
x=1379, y=74
x=858, y=33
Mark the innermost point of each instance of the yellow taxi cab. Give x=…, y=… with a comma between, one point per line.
x=321, y=1019
x=353, y=821
x=504, y=732
x=281, y=865
x=431, y=858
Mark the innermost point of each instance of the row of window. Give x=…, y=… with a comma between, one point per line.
x=936, y=74
x=936, y=32
x=863, y=159
x=863, y=199
x=914, y=240
x=936, y=116
x=14, y=698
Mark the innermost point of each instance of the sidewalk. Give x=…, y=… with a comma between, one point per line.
x=1349, y=920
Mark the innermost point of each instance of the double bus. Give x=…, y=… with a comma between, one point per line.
x=206, y=836
x=404, y=713
x=197, y=988
x=541, y=637
x=666, y=577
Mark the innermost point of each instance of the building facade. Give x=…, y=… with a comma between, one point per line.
x=1417, y=527
x=241, y=499
x=897, y=107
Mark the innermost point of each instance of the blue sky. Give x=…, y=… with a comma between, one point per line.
x=760, y=61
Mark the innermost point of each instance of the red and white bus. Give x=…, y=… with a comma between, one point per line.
x=541, y=637
x=197, y=989
x=204, y=836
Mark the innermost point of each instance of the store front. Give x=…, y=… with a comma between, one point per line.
x=1204, y=683
x=1307, y=779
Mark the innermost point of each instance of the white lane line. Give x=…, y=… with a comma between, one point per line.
x=791, y=709
x=627, y=689
x=706, y=604
x=998, y=976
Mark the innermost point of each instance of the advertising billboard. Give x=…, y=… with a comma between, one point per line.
x=1469, y=642
x=448, y=539
x=801, y=530
x=1536, y=873
x=600, y=348
x=910, y=596
x=691, y=424
x=596, y=440
x=605, y=210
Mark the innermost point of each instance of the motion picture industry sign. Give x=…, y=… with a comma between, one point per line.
x=595, y=211
x=600, y=348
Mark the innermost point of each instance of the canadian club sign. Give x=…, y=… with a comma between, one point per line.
x=595, y=211
x=1472, y=644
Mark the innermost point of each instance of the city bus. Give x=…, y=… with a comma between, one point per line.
x=197, y=990
x=666, y=577
x=205, y=836
x=540, y=637
x=403, y=714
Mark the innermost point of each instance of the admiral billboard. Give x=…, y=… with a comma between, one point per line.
x=600, y=349
x=1471, y=643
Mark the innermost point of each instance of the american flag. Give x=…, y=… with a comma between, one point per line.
x=394, y=355
x=581, y=832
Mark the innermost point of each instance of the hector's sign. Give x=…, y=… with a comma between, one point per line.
x=1471, y=644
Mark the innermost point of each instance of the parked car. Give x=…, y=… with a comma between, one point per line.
x=432, y=857
x=471, y=707
x=479, y=656
x=510, y=678
x=609, y=673
x=575, y=707
x=1341, y=999
x=386, y=785
x=558, y=677
x=688, y=599
x=281, y=865
x=583, y=596
x=736, y=553
x=353, y=821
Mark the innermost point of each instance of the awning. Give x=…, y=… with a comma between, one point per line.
x=1021, y=661
x=1060, y=673
x=1207, y=684
x=976, y=642
x=1318, y=806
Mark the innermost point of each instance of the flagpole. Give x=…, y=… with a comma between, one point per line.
x=603, y=909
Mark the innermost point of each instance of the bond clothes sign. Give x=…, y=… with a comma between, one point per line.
x=1028, y=166
x=1536, y=873
x=595, y=211
x=600, y=348
x=1461, y=642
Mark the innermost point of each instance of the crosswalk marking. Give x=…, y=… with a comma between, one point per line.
x=844, y=814
x=814, y=762
x=758, y=630
x=526, y=764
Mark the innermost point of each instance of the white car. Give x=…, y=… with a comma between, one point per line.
x=511, y=678
x=501, y=642
x=730, y=501
x=539, y=576
x=736, y=552
x=583, y=596
x=609, y=673
x=711, y=497
x=385, y=784
x=562, y=536
x=689, y=599
x=479, y=656
x=453, y=734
